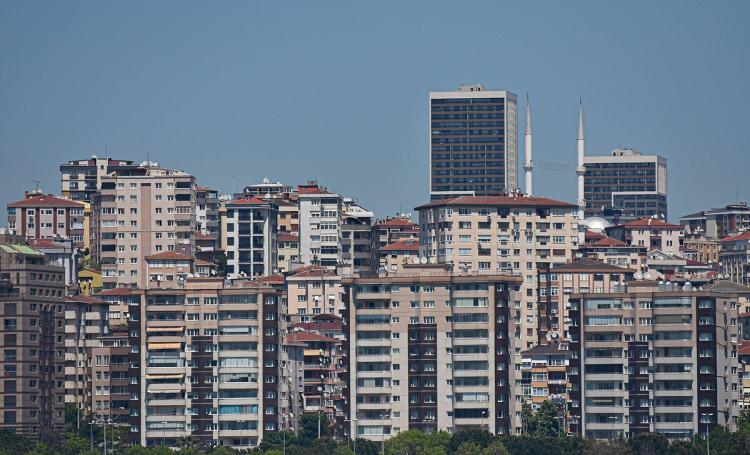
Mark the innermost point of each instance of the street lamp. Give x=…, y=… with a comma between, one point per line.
x=353, y=432
x=708, y=423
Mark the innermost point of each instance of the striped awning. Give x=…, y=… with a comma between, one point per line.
x=163, y=346
x=165, y=329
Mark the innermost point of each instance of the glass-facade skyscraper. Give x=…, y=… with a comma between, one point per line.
x=473, y=142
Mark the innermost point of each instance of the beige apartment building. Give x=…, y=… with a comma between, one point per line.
x=654, y=358
x=44, y=216
x=391, y=230
x=513, y=234
x=32, y=392
x=394, y=256
x=109, y=379
x=649, y=233
x=142, y=212
x=210, y=360
x=556, y=285
x=429, y=349
x=311, y=291
x=288, y=248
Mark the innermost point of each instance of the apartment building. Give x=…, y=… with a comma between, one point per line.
x=389, y=231
x=44, y=216
x=142, y=212
x=288, y=216
x=311, y=291
x=32, y=391
x=734, y=257
x=62, y=253
x=82, y=179
x=210, y=363
x=320, y=221
x=249, y=236
x=649, y=233
x=108, y=375
x=544, y=370
x=394, y=256
x=654, y=358
x=625, y=185
x=717, y=223
x=207, y=211
x=612, y=251
x=557, y=284
x=355, y=238
x=429, y=349
x=514, y=234
x=86, y=319
x=288, y=248
x=473, y=142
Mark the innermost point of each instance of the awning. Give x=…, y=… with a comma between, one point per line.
x=163, y=391
x=164, y=376
x=165, y=329
x=163, y=346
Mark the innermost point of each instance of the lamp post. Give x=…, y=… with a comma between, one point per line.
x=353, y=434
x=708, y=423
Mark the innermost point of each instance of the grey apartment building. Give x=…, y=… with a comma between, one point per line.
x=625, y=185
x=473, y=142
x=653, y=358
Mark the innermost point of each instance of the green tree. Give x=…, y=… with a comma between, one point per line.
x=603, y=447
x=367, y=447
x=496, y=448
x=222, y=450
x=481, y=437
x=469, y=448
x=343, y=449
x=649, y=444
x=548, y=419
x=309, y=427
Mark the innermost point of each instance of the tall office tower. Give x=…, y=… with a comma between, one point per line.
x=473, y=142
x=142, y=212
x=512, y=234
x=44, y=216
x=654, y=359
x=210, y=364
x=320, y=220
x=625, y=186
x=32, y=363
x=416, y=338
x=82, y=179
x=249, y=237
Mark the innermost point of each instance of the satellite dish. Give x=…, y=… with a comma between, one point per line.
x=637, y=276
x=423, y=260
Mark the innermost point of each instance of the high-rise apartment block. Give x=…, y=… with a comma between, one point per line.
x=207, y=211
x=82, y=179
x=210, y=362
x=649, y=233
x=734, y=257
x=473, y=142
x=492, y=234
x=321, y=218
x=32, y=392
x=355, y=237
x=43, y=216
x=249, y=237
x=625, y=186
x=142, y=212
x=312, y=291
x=430, y=350
x=654, y=358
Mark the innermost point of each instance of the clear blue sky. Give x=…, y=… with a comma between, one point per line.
x=338, y=90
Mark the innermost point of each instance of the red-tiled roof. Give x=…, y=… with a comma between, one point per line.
x=286, y=237
x=202, y=263
x=271, y=279
x=402, y=245
x=169, y=255
x=591, y=235
x=499, y=201
x=609, y=241
x=649, y=223
x=301, y=337
x=731, y=238
x=693, y=263
x=397, y=222
x=247, y=201
x=84, y=299
x=202, y=236
x=45, y=243
x=744, y=347
x=45, y=201
x=322, y=325
x=312, y=271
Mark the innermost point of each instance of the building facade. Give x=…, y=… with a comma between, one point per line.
x=82, y=179
x=649, y=233
x=288, y=248
x=142, y=212
x=429, y=350
x=32, y=391
x=473, y=142
x=512, y=234
x=653, y=359
x=311, y=291
x=625, y=186
x=320, y=220
x=734, y=257
x=42, y=216
x=249, y=235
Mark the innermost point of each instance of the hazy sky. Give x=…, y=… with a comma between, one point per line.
x=234, y=92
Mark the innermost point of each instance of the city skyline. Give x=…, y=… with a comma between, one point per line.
x=230, y=95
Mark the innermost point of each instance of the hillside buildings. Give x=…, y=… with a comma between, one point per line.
x=81, y=180
x=473, y=142
x=249, y=236
x=43, y=216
